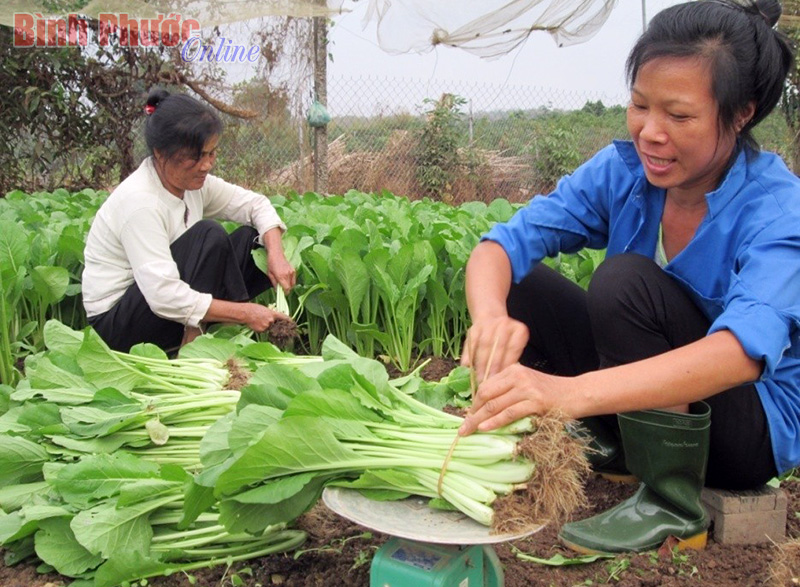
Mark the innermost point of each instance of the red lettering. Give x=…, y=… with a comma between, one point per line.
x=129, y=31
x=23, y=30
x=106, y=27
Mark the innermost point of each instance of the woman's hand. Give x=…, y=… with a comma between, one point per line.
x=259, y=318
x=279, y=270
x=499, y=340
x=512, y=394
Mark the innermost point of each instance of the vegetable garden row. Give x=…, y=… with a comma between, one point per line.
x=119, y=466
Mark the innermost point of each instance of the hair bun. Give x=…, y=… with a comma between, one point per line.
x=154, y=98
x=770, y=11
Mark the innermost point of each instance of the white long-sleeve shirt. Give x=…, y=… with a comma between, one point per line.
x=130, y=240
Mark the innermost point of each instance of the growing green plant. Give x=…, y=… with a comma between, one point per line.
x=436, y=157
x=616, y=568
x=555, y=155
x=336, y=545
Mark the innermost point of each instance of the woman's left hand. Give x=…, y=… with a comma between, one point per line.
x=280, y=271
x=512, y=394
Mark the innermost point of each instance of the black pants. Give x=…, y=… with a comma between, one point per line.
x=634, y=310
x=210, y=261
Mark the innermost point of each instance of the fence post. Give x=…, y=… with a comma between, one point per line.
x=471, y=122
x=321, y=95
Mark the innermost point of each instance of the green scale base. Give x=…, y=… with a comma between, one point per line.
x=408, y=563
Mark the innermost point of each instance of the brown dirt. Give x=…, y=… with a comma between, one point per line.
x=238, y=376
x=338, y=553
x=435, y=368
x=283, y=334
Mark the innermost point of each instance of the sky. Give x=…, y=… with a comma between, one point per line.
x=596, y=65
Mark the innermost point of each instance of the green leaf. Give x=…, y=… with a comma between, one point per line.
x=114, y=532
x=98, y=420
x=275, y=385
x=148, y=350
x=13, y=250
x=62, y=395
x=127, y=566
x=56, y=545
x=294, y=247
x=198, y=499
x=60, y=337
x=213, y=448
x=103, y=445
x=332, y=403
x=314, y=447
x=205, y=347
x=41, y=419
x=384, y=484
x=20, y=524
x=14, y=497
x=20, y=460
x=102, y=368
x=351, y=271
x=500, y=210
x=43, y=373
x=18, y=551
x=249, y=425
x=14, y=527
x=260, y=259
x=278, y=501
x=98, y=477
x=263, y=352
x=147, y=490
x=559, y=560
x=50, y=283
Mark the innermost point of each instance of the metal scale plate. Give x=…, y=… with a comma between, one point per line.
x=413, y=519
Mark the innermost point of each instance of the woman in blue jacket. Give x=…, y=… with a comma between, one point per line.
x=682, y=361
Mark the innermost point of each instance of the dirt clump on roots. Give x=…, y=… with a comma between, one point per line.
x=283, y=333
x=556, y=488
x=238, y=376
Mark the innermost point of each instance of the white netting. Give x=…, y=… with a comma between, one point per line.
x=486, y=28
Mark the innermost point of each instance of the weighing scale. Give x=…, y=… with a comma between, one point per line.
x=428, y=547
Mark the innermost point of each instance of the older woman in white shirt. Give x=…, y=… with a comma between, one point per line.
x=158, y=264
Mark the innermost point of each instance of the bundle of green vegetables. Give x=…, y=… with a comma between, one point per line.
x=97, y=455
x=342, y=422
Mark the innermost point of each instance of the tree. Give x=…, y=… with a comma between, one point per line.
x=70, y=114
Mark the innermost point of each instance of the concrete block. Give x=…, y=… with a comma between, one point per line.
x=747, y=517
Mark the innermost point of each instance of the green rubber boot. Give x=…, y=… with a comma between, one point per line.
x=668, y=451
x=603, y=449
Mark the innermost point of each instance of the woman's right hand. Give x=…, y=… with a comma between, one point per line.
x=492, y=344
x=259, y=318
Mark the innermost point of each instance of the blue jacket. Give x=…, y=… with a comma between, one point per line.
x=742, y=268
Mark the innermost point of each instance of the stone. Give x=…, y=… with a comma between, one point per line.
x=747, y=517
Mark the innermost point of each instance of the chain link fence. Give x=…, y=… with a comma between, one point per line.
x=503, y=140
x=451, y=140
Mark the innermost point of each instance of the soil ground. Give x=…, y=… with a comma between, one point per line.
x=338, y=554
